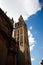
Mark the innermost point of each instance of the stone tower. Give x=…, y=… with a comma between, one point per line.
x=21, y=36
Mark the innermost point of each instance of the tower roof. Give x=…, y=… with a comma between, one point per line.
x=21, y=19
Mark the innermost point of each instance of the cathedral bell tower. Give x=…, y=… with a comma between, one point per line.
x=21, y=36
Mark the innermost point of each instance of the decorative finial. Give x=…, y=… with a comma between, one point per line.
x=21, y=18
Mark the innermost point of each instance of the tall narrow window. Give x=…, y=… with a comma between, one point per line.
x=21, y=40
x=21, y=30
x=18, y=35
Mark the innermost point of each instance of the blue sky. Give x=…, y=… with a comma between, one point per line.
x=36, y=21
x=32, y=12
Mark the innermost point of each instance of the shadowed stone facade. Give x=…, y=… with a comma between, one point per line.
x=21, y=36
x=13, y=51
x=8, y=45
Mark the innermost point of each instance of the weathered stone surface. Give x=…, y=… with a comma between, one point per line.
x=8, y=45
x=21, y=35
x=12, y=52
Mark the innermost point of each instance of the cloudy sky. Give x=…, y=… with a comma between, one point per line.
x=16, y=7
x=32, y=12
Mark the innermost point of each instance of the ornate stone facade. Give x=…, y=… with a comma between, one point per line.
x=21, y=36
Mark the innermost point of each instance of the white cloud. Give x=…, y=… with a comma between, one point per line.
x=0, y=2
x=30, y=27
x=32, y=59
x=31, y=40
x=17, y=7
x=31, y=47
